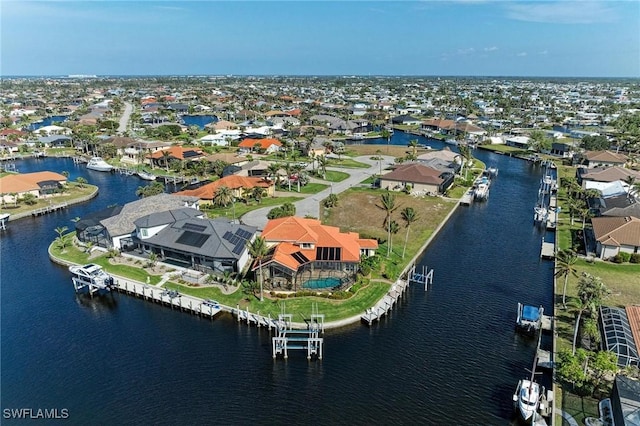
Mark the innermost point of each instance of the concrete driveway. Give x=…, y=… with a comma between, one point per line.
x=310, y=206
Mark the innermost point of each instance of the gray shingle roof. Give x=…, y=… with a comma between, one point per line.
x=123, y=223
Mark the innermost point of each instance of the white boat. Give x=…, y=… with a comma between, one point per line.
x=98, y=164
x=526, y=400
x=529, y=318
x=540, y=214
x=90, y=275
x=493, y=171
x=451, y=142
x=481, y=192
x=146, y=175
x=4, y=219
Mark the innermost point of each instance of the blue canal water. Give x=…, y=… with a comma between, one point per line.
x=448, y=356
x=47, y=121
x=198, y=120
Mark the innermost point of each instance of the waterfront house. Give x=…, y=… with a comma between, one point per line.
x=266, y=145
x=183, y=237
x=562, y=150
x=239, y=185
x=116, y=231
x=175, y=153
x=521, y=142
x=306, y=254
x=39, y=184
x=406, y=120
x=605, y=174
x=420, y=178
x=593, y=159
x=616, y=234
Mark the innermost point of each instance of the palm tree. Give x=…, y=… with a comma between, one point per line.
x=223, y=197
x=409, y=216
x=258, y=249
x=273, y=170
x=565, y=266
x=413, y=144
x=591, y=293
x=394, y=227
x=60, y=230
x=165, y=159
x=386, y=134
x=258, y=193
x=322, y=165
x=467, y=156
x=388, y=204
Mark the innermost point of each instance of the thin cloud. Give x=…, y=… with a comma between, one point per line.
x=562, y=12
x=544, y=52
x=490, y=49
x=521, y=54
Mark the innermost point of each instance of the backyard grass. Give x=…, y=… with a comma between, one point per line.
x=335, y=176
x=347, y=163
x=300, y=307
x=357, y=203
x=242, y=208
x=310, y=188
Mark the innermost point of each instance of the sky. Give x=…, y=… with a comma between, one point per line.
x=449, y=37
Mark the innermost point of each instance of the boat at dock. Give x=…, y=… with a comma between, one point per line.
x=526, y=400
x=98, y=164
x=451, y=142
x=481, y=193
x=529, y=318
x=90, y=276
x=540, y=214
x=146, y=175
x=493, y=171
x=4, y=219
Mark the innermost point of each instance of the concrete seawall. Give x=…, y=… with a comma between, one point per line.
x=69, y=203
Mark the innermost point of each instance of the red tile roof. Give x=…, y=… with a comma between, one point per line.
x=207, y=192
x=28, y=181
x=290, y=232
x=264, y=143
x=176, y=152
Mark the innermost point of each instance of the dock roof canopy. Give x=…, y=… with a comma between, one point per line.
x=618, y=336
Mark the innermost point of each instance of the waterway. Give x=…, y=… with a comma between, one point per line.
x=446, y=356
x=198, y=120
x=47, y=121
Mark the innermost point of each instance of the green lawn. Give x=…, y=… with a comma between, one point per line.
x=335, y=176
x=299, y=306
x=347, y=163
x=242, y=208
x=310, y=188
x=505, y=149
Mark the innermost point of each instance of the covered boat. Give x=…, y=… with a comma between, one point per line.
x=529, y=318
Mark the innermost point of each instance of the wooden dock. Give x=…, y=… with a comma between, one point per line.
x=548, y=250
x=49, y=209
x=385, y=304
x=170, y=298
x=467, y=198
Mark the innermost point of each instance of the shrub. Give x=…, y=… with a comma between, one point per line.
x=621, y=257
x=635, y=258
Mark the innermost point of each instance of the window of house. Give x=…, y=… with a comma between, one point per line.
x=144, y=232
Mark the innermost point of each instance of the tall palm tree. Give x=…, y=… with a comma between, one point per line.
x=273, y=170
x=413, y=144
x=258, y=249
x=166, y=155
x=388, y=204
x=322, y=165
x=565, y=266
x=409, y=215
x=591, y=293
x=394, y=227
x=467, y=156
x=258, y=193
x=223, y=197
x=386, y=134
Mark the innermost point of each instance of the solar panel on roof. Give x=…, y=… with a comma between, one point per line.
x=192, y=239
x=243, y=234
x=194, y=227
x=227, y=236
x=239, y=248
x=299, y=257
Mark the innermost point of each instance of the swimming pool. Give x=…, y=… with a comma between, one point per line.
x=322, y=283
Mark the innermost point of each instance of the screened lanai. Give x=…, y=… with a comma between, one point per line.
x=618, y=335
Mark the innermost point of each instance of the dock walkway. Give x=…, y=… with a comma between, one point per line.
x=385, y=304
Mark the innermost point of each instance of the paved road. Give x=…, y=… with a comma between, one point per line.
x=124, y=120
x=310, y=206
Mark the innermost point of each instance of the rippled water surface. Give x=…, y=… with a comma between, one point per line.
x=446, y=356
